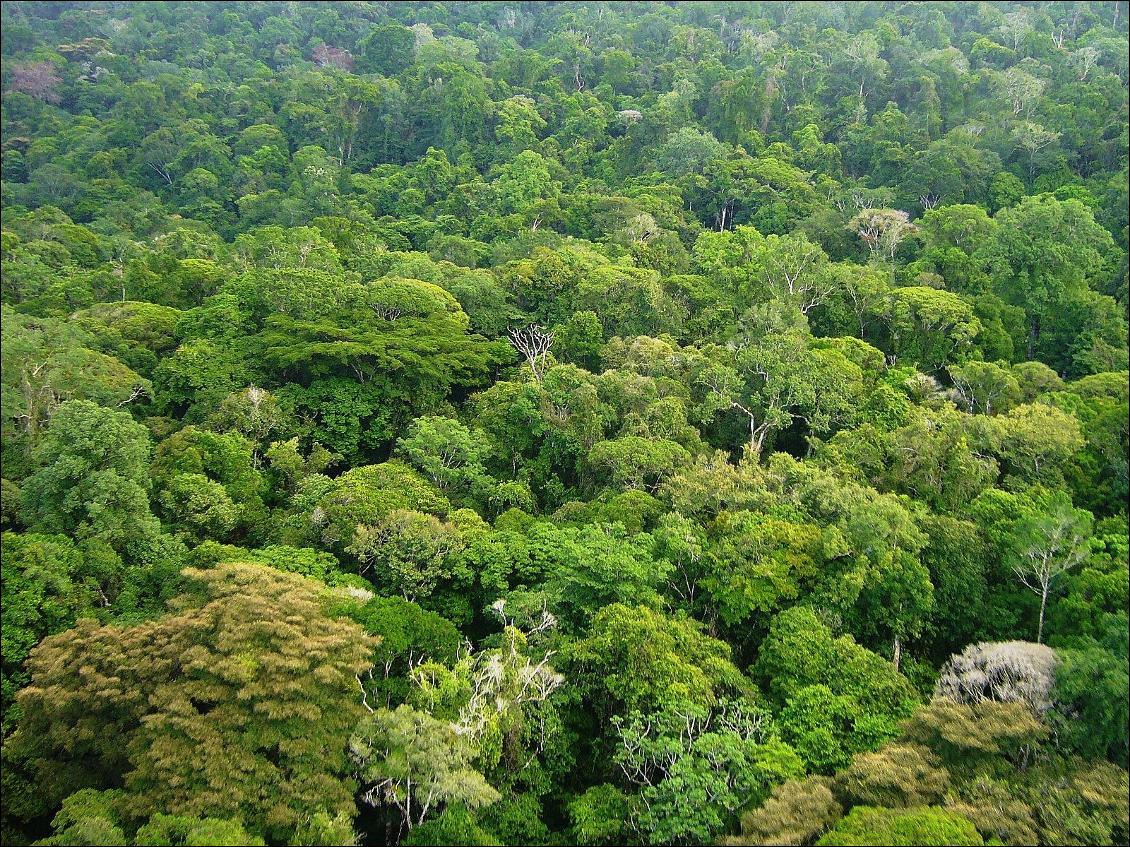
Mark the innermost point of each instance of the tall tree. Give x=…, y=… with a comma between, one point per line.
x=237, y=704
x=1047, y=545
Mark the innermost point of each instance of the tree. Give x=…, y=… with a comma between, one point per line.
x=386, y=49
x=1090, y=692
x=1034, y=379
x=500, y=700
x=927, y=825
x=863, y=291
x=450, y=455
x=365, y=495
x=252, y=412
x=1019, y=89
x=955, y=238
x=455, y=825
x=874, y=579
x=207, y=483
x=680, y=661
x=409, y=636
x=968, y=735
x=94, y=817
x=1045, y=250
x=36, y=79
x=1005, y=190
x=1048, y=544
x=956, y=555
x=984, y=386
x=416, y=764
x=634, y=462
x=45, y=588
x=949, y=171
x=928, y=327
x=197, y=376
x=882, y=230
x=1006, y=672
x=629, y=301
x=93, y=477
x=801, y=651
x=1037, y=440
x=796, y=813
x=758, y=563
x=795, y=271
x=409, y=553
x=688, y=151
x=707, y=783
x=898, y=775
x=584, y=569
x=579, y=340
x=1032, y=138
x=827, y=728
x=48, y=362
x=238, y=704
x=203, y=508
x=933, y=458
x=777, y=379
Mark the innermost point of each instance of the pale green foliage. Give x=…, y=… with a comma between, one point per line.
x=640, y=658
x=1036, y=440
x=451, y=456
x=930, y=328
x=47, y=362
x=634, y=462
x=416, y=763
x=366, y=495
x=1046, y=544
x=984, y=387
x=408, y=553
x=759, y=563
x=498, y=699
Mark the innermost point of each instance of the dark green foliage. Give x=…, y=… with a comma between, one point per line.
x=92, y=479
x=46, y=586
x=408, y=637
x=1092, y=691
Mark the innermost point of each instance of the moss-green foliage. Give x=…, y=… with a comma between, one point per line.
x=926, y=825
x=244, y=690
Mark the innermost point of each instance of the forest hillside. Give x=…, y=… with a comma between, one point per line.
x=564, y=423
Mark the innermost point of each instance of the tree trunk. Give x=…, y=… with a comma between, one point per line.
x=897, y=652
x=1043, y=606
x=1033, y=335
x=760, y=443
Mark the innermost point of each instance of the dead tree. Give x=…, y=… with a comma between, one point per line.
x=533, y=342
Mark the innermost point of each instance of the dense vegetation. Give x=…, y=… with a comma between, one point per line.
x=520, y=423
